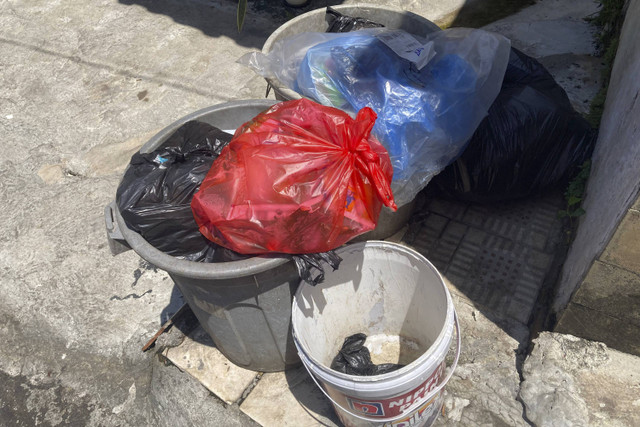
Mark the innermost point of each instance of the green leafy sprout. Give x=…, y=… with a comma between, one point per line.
x=573, y=195
x=242, y=12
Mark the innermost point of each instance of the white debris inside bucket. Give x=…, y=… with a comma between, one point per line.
x=393, y=349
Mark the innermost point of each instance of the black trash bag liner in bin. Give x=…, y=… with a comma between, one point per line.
x=154, y=199
x=154, y=196
x=310, y=264
x=532, y=139
x=354, y=359
x=339, y=23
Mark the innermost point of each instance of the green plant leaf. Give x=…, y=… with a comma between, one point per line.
x=242, y=11
x=573, y=200
x=563, y=214
x=578, y=212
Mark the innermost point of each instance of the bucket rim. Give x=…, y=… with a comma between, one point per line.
x=401, y=376
x=157, y=139
x=272, y=39
x=193, y=269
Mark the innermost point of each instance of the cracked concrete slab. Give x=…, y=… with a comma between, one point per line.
x=574, y=381
x=484, y=387
x=289, y=398
x=83, y=85
x=198, y=356
x=181, y=400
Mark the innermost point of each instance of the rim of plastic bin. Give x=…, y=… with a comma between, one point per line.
x=199, y=270
x=165, y=133
x=347, y=9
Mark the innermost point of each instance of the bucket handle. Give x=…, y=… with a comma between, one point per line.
x=416, y=405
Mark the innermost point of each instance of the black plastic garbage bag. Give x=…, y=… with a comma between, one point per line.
x=531, y=140
x=354, y=359
x=154, y=199
x=310, y=266
x=154, y=196
x=339, y=23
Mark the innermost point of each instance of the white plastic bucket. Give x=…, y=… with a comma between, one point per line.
x=399, y=300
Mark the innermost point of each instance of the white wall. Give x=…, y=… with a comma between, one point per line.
x=615, y=175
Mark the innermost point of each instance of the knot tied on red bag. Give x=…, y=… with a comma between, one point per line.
x=298, y=178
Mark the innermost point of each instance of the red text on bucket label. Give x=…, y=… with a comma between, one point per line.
x=417, y=416
x=397, y=404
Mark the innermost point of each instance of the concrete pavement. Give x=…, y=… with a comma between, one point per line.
x=84, y=85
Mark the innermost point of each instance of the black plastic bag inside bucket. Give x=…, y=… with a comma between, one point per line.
x=339, y=23
x=154, y=199
x=354, y=359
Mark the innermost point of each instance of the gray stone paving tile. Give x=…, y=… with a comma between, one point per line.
x=476, y=216
x=446, y=246
x=526, y=222
x=426, y=228
x=437, y=238
x=498, y=255
x=447, y=208
x=532, y=222
x=537, y=240
x=198, y=356
x=499, y=274
x=289, y=399
x=476, y=236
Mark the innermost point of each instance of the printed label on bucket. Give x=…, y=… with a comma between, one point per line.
x=424, y=415
x=396, y=405
x=367, y=408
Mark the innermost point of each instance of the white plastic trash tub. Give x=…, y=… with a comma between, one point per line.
x=245, y=306
x=399, y=300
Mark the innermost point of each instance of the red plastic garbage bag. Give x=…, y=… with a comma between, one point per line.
x=298, y=178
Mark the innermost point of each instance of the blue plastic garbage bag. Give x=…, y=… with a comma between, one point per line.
x=428, y=107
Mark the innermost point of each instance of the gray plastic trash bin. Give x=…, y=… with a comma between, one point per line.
x=389, y=222
x=245, y=306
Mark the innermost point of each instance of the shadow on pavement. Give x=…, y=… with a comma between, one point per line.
x=218, y=18
x=478, y=13
x=312, y=401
